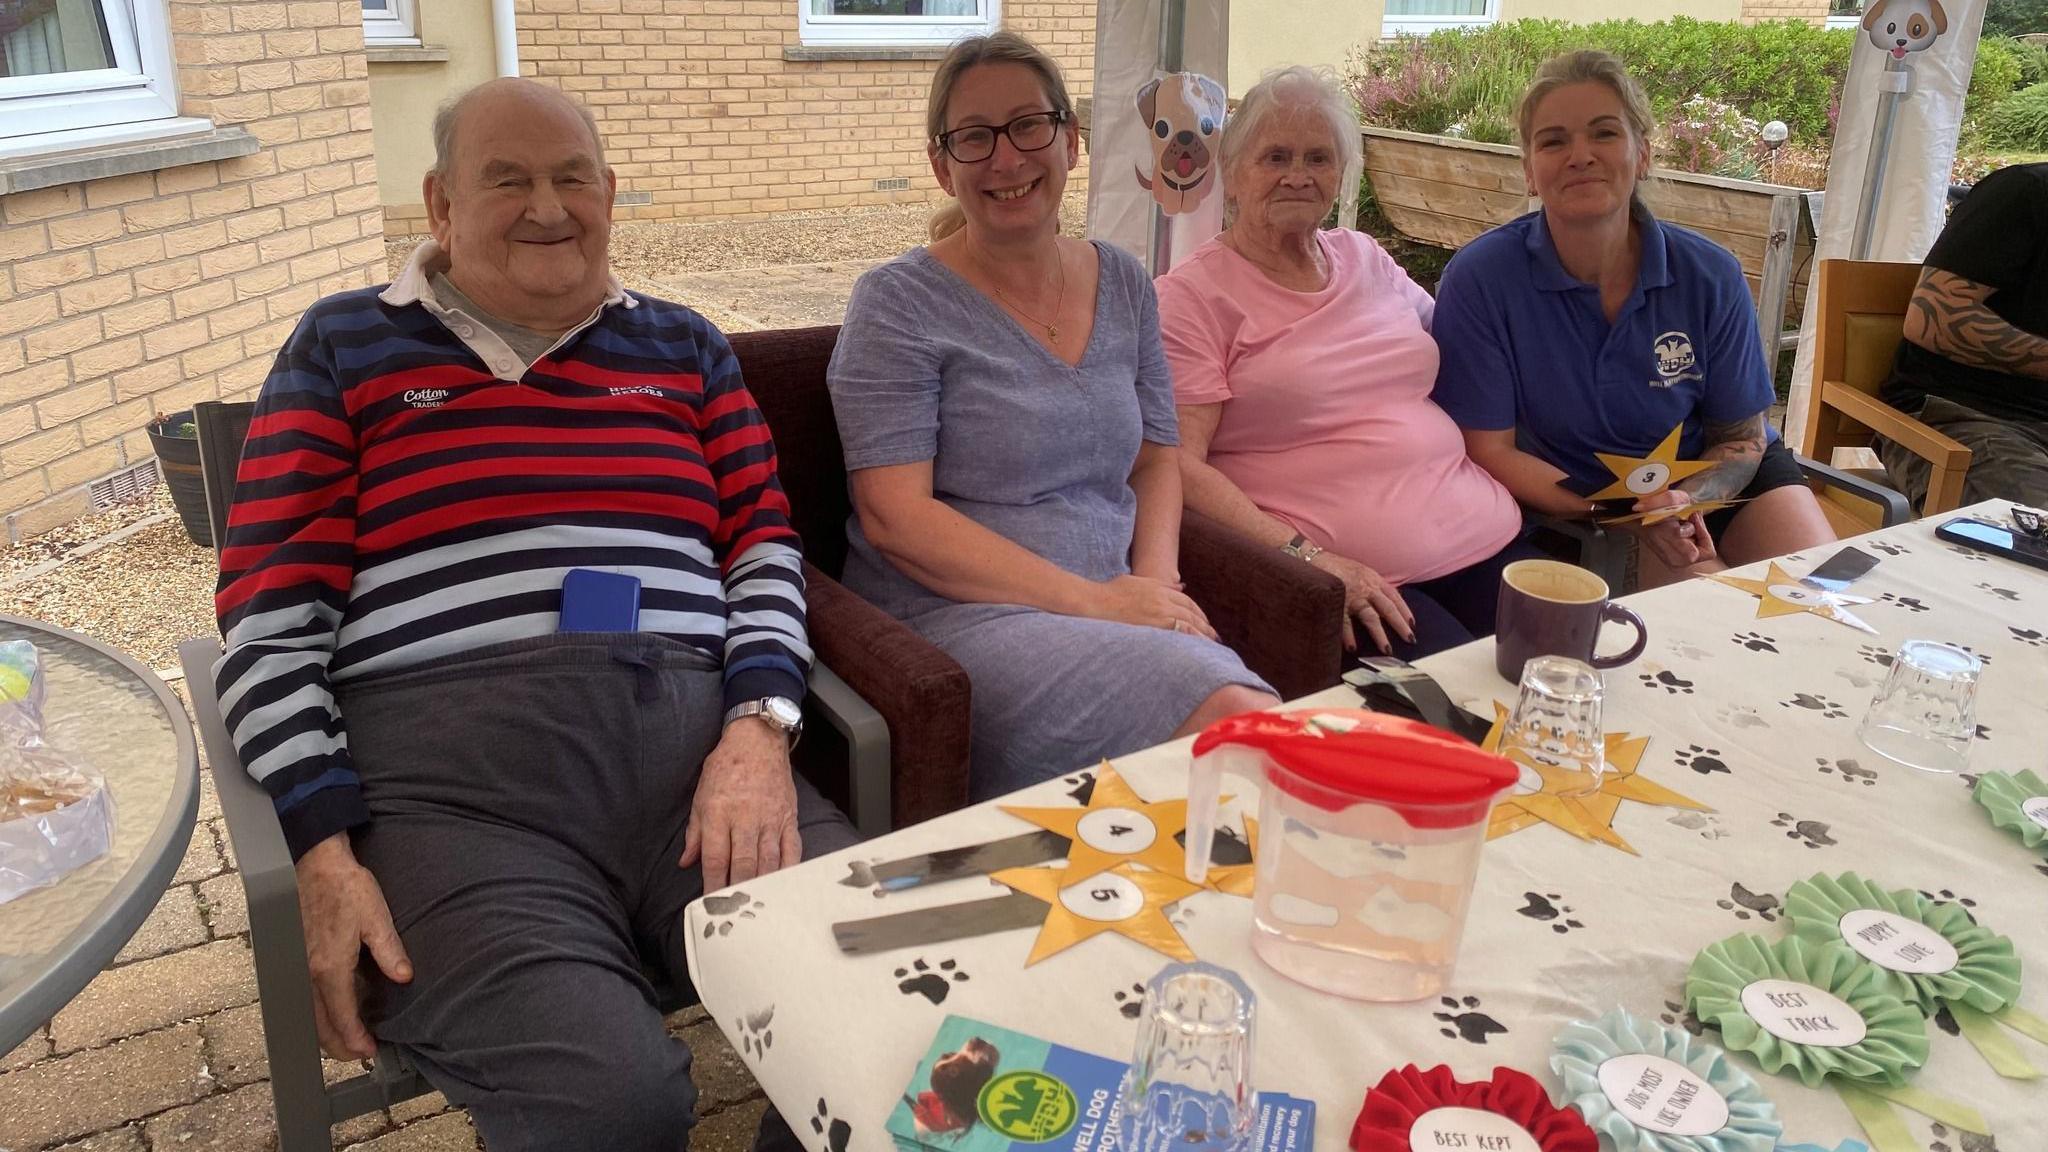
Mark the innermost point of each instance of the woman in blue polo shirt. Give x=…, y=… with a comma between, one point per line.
x=1590, y=327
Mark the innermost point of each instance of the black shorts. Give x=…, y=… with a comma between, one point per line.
x=1778, y=469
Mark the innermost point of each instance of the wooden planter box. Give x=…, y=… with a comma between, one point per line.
x=1444, y=191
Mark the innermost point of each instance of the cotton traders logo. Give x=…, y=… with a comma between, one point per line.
x=1027, y=1106
x=1674, y=360
x=426, y=397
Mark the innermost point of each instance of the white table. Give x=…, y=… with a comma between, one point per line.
x=1774, y=702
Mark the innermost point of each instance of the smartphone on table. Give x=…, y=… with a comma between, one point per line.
x=1998, y=539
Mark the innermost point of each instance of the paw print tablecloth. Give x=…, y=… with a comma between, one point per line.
x=1755, y=718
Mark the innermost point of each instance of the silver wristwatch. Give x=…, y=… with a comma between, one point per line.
x=781, y=713
x=1302, y=548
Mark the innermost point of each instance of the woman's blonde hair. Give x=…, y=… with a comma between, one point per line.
x=1588, y=66
x=996, y=48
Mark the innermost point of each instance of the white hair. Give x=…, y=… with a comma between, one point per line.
x=1295, y=86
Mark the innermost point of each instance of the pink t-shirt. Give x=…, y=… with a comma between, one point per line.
x=1327, y=421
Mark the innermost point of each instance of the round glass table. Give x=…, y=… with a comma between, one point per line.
x=115, y=715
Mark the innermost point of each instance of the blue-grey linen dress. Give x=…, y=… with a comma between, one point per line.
x=1040, y=452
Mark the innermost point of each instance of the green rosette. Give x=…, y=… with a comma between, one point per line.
x=1895, y=1037
x=2002, y=794
x=1986, y=975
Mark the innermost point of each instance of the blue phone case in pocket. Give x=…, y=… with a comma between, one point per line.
x=594, y=601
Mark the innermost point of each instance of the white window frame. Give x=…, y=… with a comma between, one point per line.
x=1392, y=26
x=1846, y=19
x=75, y=109
x=893, y=31
x=397, y=26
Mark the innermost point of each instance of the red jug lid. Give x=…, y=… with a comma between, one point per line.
x=1433, y=779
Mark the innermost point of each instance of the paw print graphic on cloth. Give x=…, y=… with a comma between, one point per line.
x=754, y=1034
x=1703, y=760
x=1675, y=1015
x=1946, y=1020
x=734, y=905
x=1550, y=908
x=2042, y=868
x=1909, y=603
x=1850, y=772
x=1670, y=682
x=1812, y=833
x=1957, y=1140
x=1685, y=651
x=1983, y=732
x=1872, y=654
x=1967, y=553
x=1131, y=1003
x=1081, y=787
x=1745, y=904
x=836, y=1133
x=1706, y=824
x=1815, y=702
x=1944, y=896
x=1890, y=549
x=1756, y=641
x=2028, y=636
x=1469, y=1025
x=920, y=979
x=2005, y=594
x=1741, y=716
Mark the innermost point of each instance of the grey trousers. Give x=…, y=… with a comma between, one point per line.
x=2008, y=458
x=528, y=802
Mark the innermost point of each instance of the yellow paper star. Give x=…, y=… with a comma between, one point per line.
x=1586, y=817
x=1778, y=594
x=1236, y=879
x=1124, y=900
x=1659, y=515
x=1116, y=828
x=1639, y=476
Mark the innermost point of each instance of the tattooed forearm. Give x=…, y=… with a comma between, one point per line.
x=1739, y=448
x=1948, y=315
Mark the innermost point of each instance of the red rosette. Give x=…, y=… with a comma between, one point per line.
x=1404, y=1094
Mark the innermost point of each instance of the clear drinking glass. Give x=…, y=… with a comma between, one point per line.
x=1555, y=727
x=1926, y=714
x=1189, y=1088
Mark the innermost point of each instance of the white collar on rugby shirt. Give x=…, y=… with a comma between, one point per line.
x=414, y=285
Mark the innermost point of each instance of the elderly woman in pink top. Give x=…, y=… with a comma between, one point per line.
x=1302, y=367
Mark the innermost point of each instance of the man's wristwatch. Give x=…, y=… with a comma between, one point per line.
x=780, y=712
x=1302, y=548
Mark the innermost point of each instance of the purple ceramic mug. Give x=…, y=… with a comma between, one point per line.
x=1549, y=608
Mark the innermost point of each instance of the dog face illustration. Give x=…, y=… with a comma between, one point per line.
x=1901, y=26
x=1183, y=115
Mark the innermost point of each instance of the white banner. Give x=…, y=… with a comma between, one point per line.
x=1149, y=154
x=1926, y=49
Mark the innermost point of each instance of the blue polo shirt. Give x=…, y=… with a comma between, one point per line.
x=1526, y=346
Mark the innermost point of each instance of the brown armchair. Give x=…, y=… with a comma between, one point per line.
x=1283, y=618
x=920, y=691
x=1861, y=311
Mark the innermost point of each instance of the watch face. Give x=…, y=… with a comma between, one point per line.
x=783, y=711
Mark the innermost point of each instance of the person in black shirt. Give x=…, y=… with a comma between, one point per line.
x=1974, y=362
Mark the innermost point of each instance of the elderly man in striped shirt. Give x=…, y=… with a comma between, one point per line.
x=508, y=817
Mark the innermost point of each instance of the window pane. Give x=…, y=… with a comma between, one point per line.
x=376, y=5
x=1845, y=7
x=41, y=37
x=893, y=7
x=1436, y=7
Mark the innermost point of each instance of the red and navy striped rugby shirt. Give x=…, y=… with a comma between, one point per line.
x=397, y=502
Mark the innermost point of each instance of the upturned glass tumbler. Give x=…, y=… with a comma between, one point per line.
x=1189, y=1088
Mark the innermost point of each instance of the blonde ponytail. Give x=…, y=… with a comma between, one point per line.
x=946, y=221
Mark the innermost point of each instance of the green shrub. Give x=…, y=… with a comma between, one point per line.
x=1995, y=77
x=2033, y=60
x=2020, y=121
x=2015, y=17
x=1471, y=78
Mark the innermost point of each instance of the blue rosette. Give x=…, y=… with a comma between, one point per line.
x=1585, y=1047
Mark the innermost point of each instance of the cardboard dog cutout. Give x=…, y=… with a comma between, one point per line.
x=1898, y=27
x=1183, y=114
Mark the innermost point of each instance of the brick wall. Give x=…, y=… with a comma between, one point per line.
x=702, y=112
x=136, y=295
x=1811, y=11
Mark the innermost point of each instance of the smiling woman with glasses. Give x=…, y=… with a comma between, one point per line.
x=1008, y=423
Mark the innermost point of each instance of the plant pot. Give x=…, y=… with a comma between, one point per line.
x=177, y=457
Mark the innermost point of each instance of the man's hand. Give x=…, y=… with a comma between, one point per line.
x=1681, y=541
x=343, y=912
x=743, y=821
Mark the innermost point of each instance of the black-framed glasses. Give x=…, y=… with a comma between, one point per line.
x=1028, y=133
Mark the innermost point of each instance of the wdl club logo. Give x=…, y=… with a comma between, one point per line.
x=1028, y=1106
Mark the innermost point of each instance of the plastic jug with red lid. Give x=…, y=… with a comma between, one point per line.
x=1368, y=840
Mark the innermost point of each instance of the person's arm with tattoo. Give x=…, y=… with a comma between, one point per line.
x=1949, y=316
x=1738, y=449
